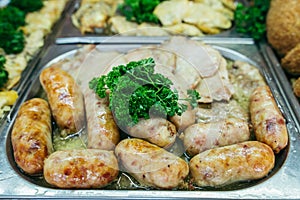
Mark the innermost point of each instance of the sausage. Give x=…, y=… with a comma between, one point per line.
x=158, y=131
x=185, y=120
x=268, y=122
x=103, y=133
x=150, y=164
x=238, y=162
x=31, y=135
x=84, y=168
x=65, y=99
x=202, y=136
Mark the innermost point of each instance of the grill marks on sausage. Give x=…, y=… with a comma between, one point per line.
x=221, y=166
x=31, y=135
x=65, y=98
x=89, y=168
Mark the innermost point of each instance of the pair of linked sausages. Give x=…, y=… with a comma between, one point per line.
x=147, y=162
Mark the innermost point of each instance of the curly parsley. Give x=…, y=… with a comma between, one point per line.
x=136, y=92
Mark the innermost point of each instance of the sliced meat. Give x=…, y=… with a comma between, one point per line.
x=194, y=52
x=216, y=87
x=72, y=65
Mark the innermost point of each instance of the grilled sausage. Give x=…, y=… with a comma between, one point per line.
x=158, y=131
x=85, y=168
x=65, y=99
x=31, y=135
x=268, y=122
x=238, y=162
x=202, y=136
x=150, y=164
x=103, y=133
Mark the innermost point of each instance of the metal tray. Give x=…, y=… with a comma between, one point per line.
x=282, y=183
x=283, y=80
x=69, y=31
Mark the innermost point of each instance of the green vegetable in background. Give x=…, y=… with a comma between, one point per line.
x=3, y=72
x=12, y=15
x=135, y=92
x=139, y=10
x=27, y=5
x=252, y=19
x=11, y=40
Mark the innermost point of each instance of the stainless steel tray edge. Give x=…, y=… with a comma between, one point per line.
x=116, y=39
x=285, y=184
x=274, y=64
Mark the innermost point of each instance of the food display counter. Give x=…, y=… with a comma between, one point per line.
x=74, y=52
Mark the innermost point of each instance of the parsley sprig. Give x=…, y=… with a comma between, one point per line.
x=136, y=92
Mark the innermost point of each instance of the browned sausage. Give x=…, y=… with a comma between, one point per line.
x=150, y=164
x=202, y=136
x=238, y=162
x=31, y=135
x=65, y=99
x=268, y=122
x=85, y=168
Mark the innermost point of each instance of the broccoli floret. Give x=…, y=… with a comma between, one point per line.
x=3, y=72
x=27, y=5
x=12, y=15
x=139, y=10
x=12, y=41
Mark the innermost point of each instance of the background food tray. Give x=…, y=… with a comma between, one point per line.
x=67, y=29
x=33, y=62
x=282, y=183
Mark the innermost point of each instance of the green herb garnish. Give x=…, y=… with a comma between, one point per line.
x=252, y=19
x=12, y=15
x=136, y=92
x=27, y=5
x=12, y=41
x=139, y=10
x=3, y=72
